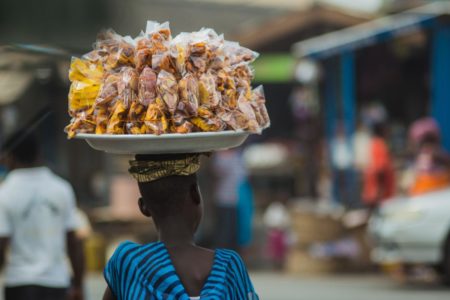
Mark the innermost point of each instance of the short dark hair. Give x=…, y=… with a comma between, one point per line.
x=23, y=146
x=167, y=196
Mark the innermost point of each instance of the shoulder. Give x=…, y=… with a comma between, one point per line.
x=124, y=248
x=232, y=258
x=58, y=181
x=130, y=252
x=236, y=273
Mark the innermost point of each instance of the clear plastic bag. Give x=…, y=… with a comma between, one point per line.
x=259, y=105
x=189, y=95
x=127, y=87
x=209, y=96
x=86, y=77
x=109, y=90
x=167, y=88
x=147, y=86
x=245, y=107
x=179, y=52
x=156, y=121
x=237, y=54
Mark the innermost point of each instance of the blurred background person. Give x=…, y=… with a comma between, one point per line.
x=379, y=176
x=38, y=220
x=342, y=164
x=245, y=212
x=430, y=170
x=361, y=158
x=277, y=221
x=230, y=174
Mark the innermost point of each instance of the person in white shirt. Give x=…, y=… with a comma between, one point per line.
x=342, y=162
x=37, y=223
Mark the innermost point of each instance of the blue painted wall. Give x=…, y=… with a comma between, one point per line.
x=440, y=92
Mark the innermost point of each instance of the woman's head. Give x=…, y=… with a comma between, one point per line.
x=174, y=198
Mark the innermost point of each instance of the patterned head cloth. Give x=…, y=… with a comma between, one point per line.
x=147, y=168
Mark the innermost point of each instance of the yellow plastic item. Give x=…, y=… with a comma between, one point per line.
x=86, y=80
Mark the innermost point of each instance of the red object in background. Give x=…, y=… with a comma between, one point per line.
x=380, y=165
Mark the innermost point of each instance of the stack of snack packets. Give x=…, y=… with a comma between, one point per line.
x=156, y=84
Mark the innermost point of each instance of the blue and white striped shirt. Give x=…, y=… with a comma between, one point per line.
x=146, y=272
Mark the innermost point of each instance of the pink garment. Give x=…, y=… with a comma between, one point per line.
x=277, y=244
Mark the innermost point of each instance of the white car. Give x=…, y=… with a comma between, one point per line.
x=414, y=230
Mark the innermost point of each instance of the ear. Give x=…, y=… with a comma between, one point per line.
x=195, y=194
x=143, y=208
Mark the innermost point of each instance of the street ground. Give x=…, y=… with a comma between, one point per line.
x=273, y=286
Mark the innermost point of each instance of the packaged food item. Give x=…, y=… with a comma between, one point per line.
x=189, y=95
x=143, y=58
x=245, y=107
x=179, y=52
x=101, y=117
x=147, y=86
x=236, y=54
x=81, y=123
x=209, y=96
x=112, y=50
x=167, y=88
x=181, y=123
x=259, y=105
x=156, y=120
x=154, y=84
x=86, y=78
x=207, y=120
x=227, y=87
x=136, y=118
x=109, y=90
x=116, y=123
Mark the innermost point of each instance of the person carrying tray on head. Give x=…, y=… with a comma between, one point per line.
x=174, y=267
x=38, y=220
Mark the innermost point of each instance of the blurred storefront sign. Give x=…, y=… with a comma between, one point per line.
x=274, y=68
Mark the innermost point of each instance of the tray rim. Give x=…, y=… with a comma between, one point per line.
x=161, y=136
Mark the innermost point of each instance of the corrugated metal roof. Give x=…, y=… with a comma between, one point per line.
x=372, y=32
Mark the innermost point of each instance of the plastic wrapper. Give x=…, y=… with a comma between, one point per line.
x=189, y=95
x=167, y=88
x=154, y=84
x=156, y=120
x=179, y=52
x=136, y=117
x=181, y=123
x=112, y=50
x=147, y=86
x=81, y=123
x=143, y=58
x=127, y=87
x=209, y=96
x=109, y=90
x=227, y=87
x=86, y=80
x=259, y=105
x=163, y=62
x=116, y=123
x=245, y=107
x=207, y=120
x=237, y=54
x=234, y=119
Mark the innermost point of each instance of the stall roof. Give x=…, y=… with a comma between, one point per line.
x=372, y=32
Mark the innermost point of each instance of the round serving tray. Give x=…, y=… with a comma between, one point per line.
x=196, y=142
